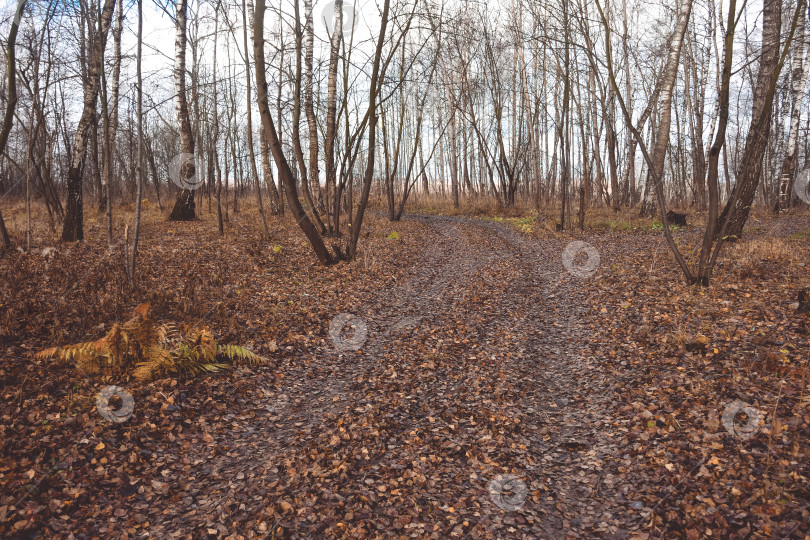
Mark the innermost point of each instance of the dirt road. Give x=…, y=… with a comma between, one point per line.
x=463, y=404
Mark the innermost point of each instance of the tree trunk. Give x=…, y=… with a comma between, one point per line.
x=706, y=259
x=453, y=150
x=184, y=205
x=309, y=111
x=139, y=153
x=73, y=227
x=661, y=143
x=268, y=173
x=150, y=155
x=331, y=114
x=283, y=168
x=630, y=168
x=666, y=87
x=215, y=134
x=357, y=222
x=111, y=121
x=799, y=75
x=695, y=98
x=564, y=135
x=750, y=169
x=11, y=101
x=251, y=151
x=308, y=105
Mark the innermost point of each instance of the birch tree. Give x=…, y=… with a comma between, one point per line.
x=110, y=113
x=184, y=207
x=749, y=171
x=73, y=227
x=666, y=86
x=799, y=73
x=252, y=154
x=285, y=174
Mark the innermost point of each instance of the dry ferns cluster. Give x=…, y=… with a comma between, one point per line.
x=151, y=349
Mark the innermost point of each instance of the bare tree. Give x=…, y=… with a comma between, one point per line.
x=139, y=157
x=666, y=85
x=331, y=113
x=306, y=176
x=799, y=73
x=251, y=150
x=749, y=171
x=371, y=116
x=111, y=119
x=184, y=208
x=285, y=174
x=11, y=99
x=309, y=111
x=215, y=134
x=73, y=227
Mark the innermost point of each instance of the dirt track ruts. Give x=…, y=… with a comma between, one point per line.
x=475, y=365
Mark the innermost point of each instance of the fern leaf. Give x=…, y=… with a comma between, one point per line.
x=47, y=353
x=77, y=351
x=168, y=333
x=154, y=349
x=240, y=355
x=156, y=360
x=213, y=368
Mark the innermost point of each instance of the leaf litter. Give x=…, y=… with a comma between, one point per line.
x=598, y=400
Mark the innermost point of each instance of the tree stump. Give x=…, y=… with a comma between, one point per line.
x=804, y=300
x=676, y=218
x=698, y=344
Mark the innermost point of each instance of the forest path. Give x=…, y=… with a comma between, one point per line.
x=472, y=367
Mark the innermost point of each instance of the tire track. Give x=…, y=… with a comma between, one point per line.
x=473, y=366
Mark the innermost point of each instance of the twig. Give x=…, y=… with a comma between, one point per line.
x=774, y=425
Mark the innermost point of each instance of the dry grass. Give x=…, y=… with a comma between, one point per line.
x=766, y=239
x=46, y=233
x=600, y=218
x=764, y=255
x=766, y=248
x=468, y=206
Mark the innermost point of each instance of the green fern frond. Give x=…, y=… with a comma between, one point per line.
x=238, y=354
x=188, y=359
x=202, y=342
